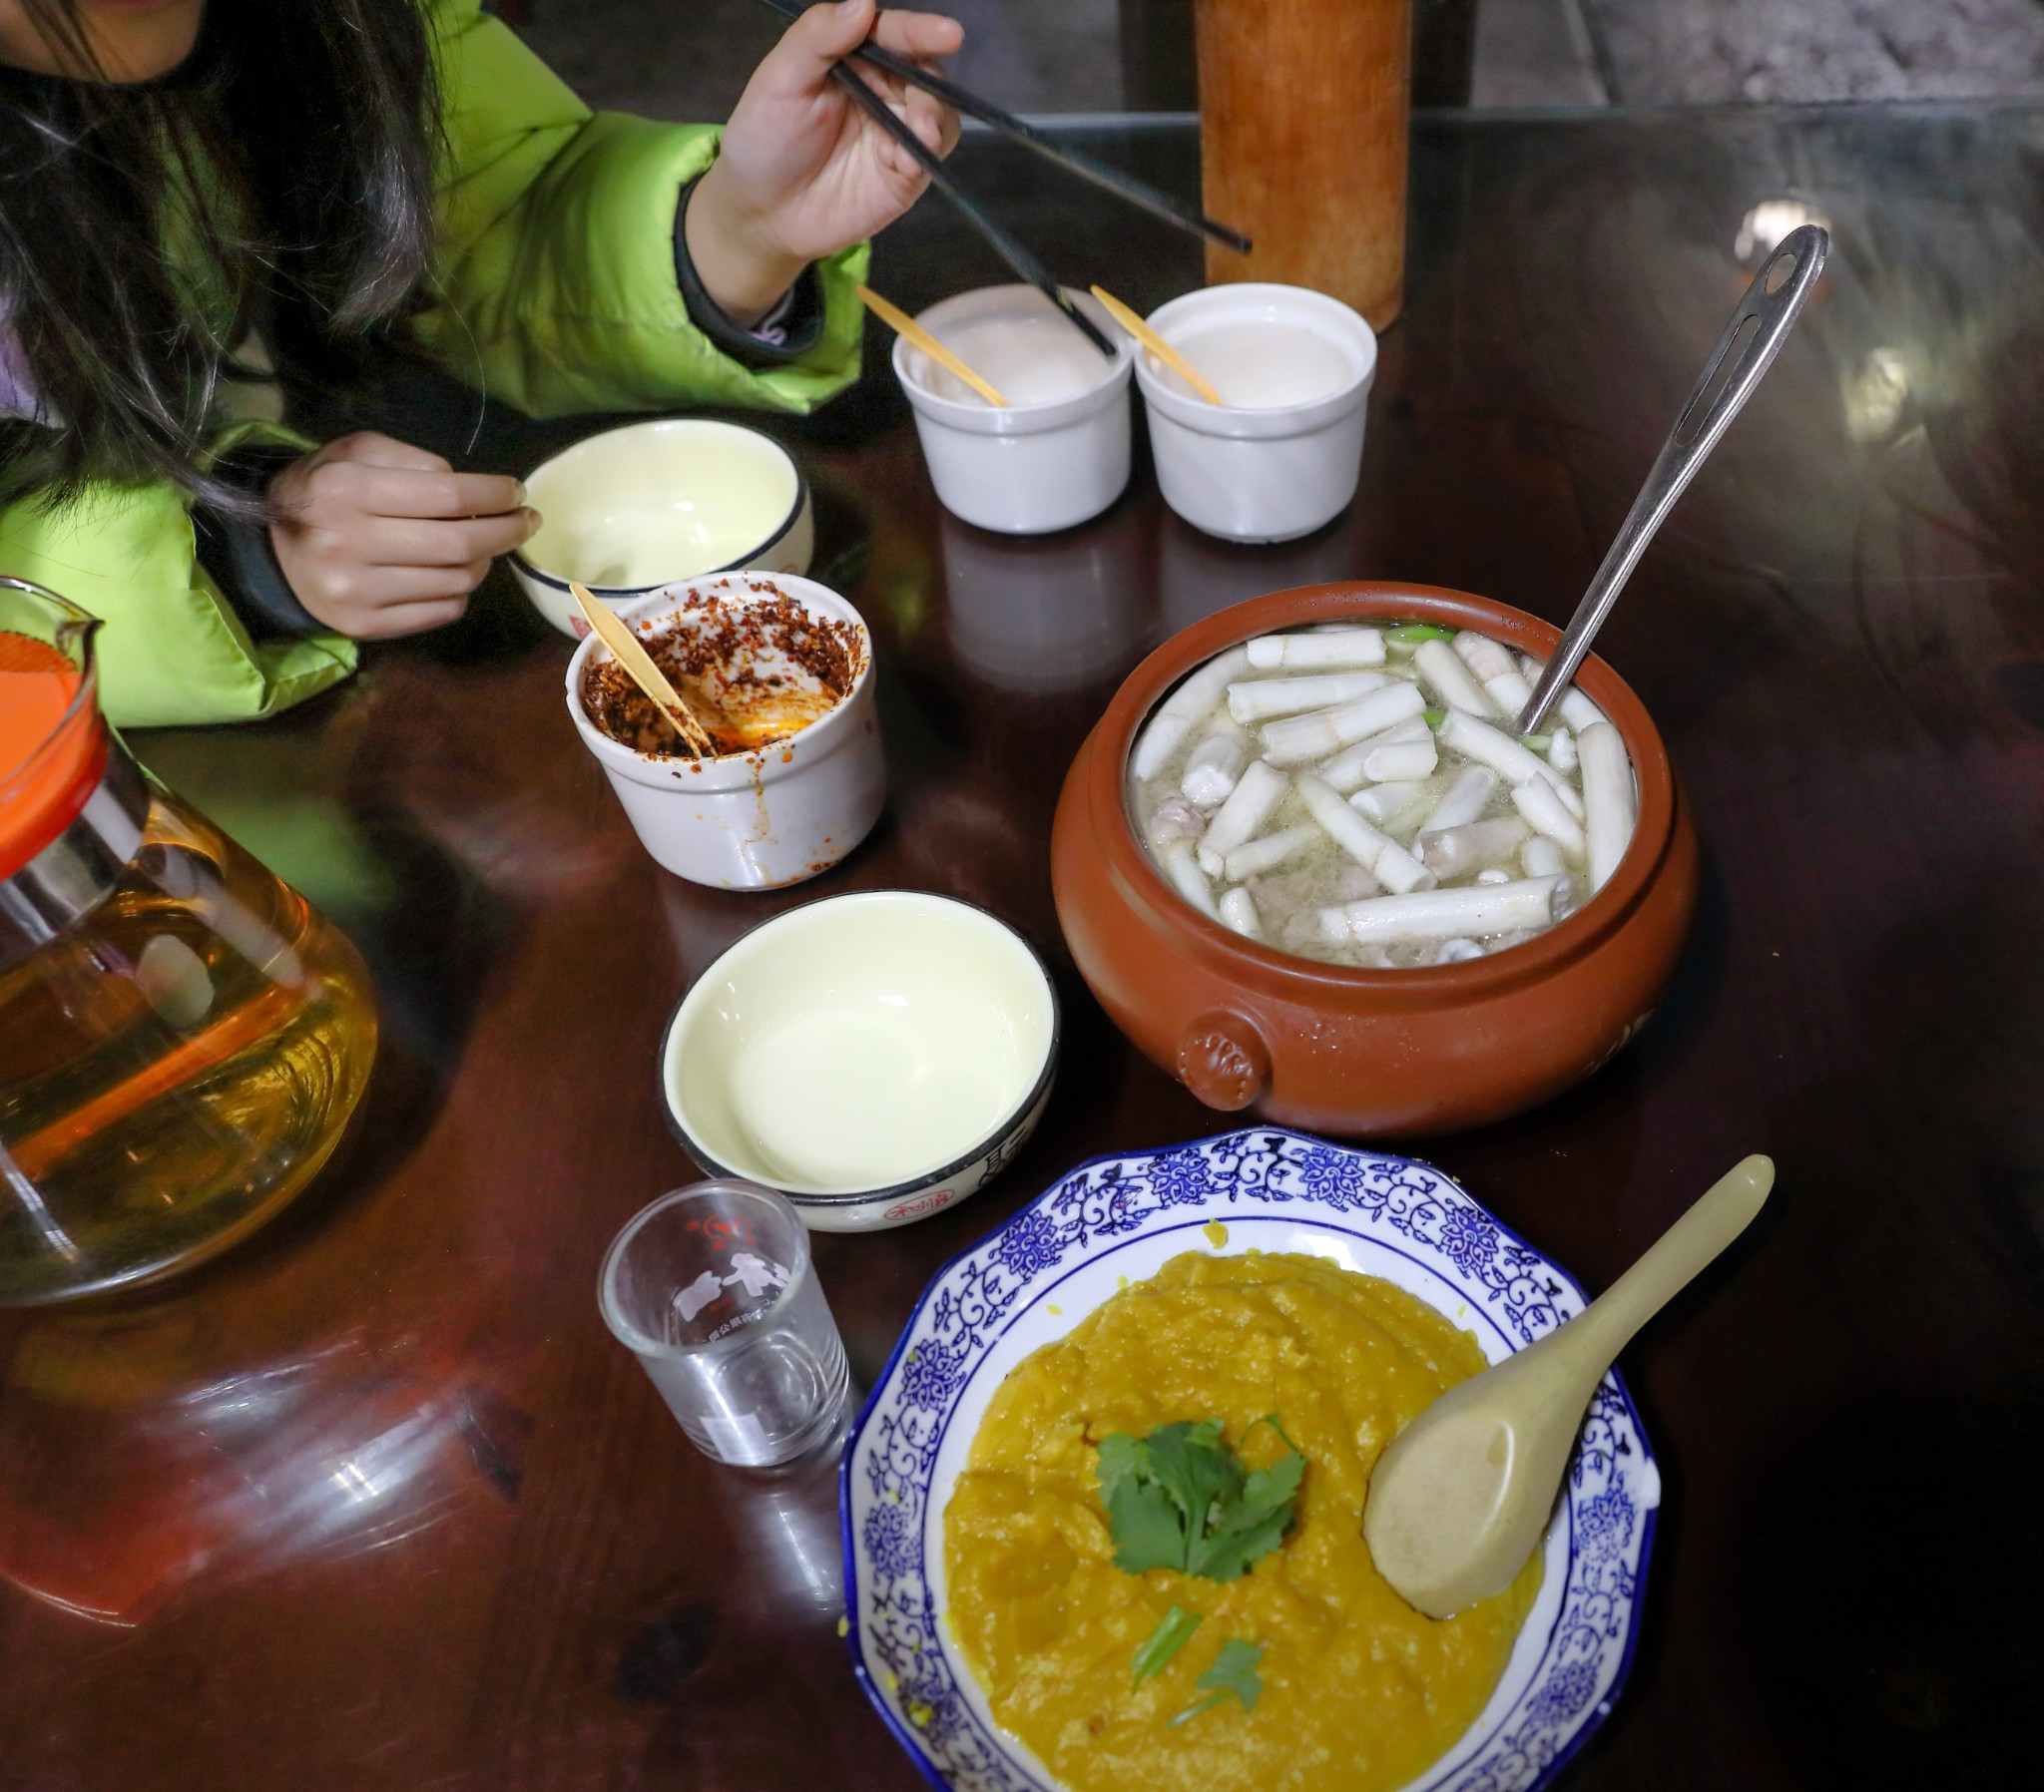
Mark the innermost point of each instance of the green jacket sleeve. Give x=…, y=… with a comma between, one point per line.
x=173, y=650
x=555, y=287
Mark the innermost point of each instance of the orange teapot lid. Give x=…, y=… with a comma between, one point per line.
x=53, y=750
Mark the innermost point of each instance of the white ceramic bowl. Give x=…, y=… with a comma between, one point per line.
x=755, y=820
x=874, y=1057
x=1266, y=474
x=1042, y=1272
x=635, y=509
x=1031, y=468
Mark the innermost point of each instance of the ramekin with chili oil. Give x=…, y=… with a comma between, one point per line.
x=779, y=670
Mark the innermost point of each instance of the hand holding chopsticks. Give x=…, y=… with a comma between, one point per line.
x=1019, y=258
x=801, y=172
x=1011, y=251
x=1018, y=129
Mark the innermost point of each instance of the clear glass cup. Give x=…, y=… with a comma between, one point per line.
x=713, y=1290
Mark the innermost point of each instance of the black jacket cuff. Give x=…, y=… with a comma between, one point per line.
x=238, y=554
x=801, y=330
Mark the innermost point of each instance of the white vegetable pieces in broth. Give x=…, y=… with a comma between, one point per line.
x=1362, y=796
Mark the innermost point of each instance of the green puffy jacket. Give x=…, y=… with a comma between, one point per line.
x=555, y=291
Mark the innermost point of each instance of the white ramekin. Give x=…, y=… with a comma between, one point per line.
x=756, y=821
x=611, y=481
x=1031, y=468
x=1258, y=475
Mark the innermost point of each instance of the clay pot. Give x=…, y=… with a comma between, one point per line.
x=1391, y=1052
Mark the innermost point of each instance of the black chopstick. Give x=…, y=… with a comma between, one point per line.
x=1137, y=193
x=1017, y=257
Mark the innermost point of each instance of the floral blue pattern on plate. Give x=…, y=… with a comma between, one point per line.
x=1119, y=1220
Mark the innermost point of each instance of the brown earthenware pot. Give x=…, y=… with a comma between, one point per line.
x=1356, y=1052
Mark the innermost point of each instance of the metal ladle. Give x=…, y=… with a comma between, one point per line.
x=1744, y=351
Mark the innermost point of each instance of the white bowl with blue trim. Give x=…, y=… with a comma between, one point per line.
x=875, y=1056
x=630, y=510
x=1048, y=1267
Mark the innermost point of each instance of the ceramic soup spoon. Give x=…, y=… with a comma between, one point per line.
x=1459, y=1499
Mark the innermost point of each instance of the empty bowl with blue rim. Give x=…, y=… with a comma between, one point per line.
x=628, y=512
x=1117, y=1220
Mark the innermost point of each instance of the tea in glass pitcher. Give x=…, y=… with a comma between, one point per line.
x=182, y=1035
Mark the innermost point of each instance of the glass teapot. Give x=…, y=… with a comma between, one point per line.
x=182, y=1035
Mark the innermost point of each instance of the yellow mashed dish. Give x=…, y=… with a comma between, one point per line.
x=1359, y=1692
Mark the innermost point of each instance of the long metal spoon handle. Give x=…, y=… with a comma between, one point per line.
x=1744, y=351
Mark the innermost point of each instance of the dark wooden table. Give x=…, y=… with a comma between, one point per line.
x=376, y=1503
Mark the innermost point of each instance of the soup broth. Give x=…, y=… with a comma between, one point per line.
x=1361, y=795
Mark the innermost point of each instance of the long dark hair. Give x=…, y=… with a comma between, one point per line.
x=285, y=173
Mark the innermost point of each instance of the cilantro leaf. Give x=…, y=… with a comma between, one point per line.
x=1266, y=1490
x=1165, y=1642
x=1145, y=1523
x=1255, y=1524
x=1181, y=1499
x=1196, y=1469
x=1226, y=1554
x=1233, y=1671
x=1121, y=1457
x=1146, y=1526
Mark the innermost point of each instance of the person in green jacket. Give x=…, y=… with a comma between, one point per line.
x=195, y=190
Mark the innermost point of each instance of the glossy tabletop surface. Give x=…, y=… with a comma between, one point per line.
x=376, y=1502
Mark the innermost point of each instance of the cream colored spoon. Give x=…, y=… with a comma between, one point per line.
x=1459, y=1499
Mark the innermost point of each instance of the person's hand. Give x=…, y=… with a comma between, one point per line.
x=802, y=172
x=378, y=539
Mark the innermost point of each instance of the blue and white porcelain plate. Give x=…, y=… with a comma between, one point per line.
x=1121, y=1218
